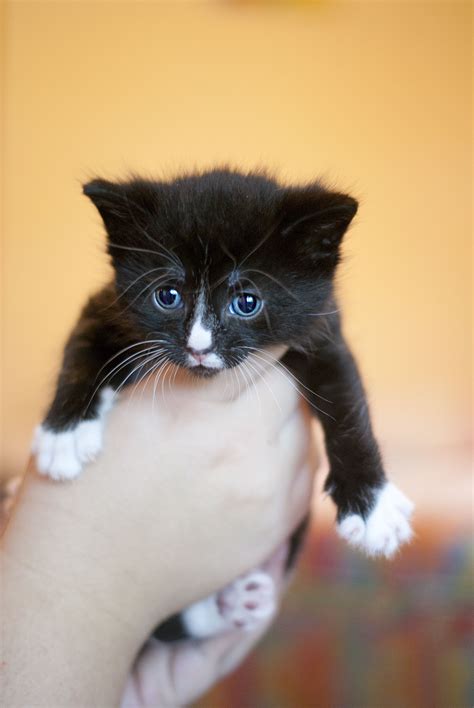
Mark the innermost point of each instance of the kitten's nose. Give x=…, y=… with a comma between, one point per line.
x=198, y=354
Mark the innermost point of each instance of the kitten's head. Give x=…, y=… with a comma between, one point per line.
x=221, y=264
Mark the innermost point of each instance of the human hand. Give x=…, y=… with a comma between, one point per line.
x=183, y=499
x=177, y=674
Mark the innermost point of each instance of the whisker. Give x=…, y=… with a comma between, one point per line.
x=240, y=372
x=160, y=371
x=226, y=276
x=127, y=360
x=163, y=378
x=291, y=379
x=213, y=286
x=124, y=198
x=135, y=248
x=253, y=382
x=167, y=253
x=232, y=378
x=259, y=245
x=154, y=284
x=170, y=377
x=176, y=370
x=322, y=314
x=117, y=391
x=122, y=293
x=228, y=253
x=148, y=374
x=226, y=377
x=136, y=344
x=237, y=380
x=170, y=255
x=153, y=364
x=271, y=277
x=263, y=378
x=115, y=370
x=280, y=363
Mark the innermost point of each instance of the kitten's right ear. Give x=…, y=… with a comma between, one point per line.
x=110, y=200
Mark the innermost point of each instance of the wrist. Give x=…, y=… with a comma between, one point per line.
x=67, y=634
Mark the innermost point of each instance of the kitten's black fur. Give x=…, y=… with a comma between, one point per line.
x=224, y=233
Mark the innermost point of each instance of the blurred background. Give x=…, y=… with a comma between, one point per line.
x=376, y=98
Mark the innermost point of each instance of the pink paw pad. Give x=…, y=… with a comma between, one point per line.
x=248, y=601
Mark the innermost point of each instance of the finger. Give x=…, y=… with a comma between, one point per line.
x=174, y=675
x=275, y=564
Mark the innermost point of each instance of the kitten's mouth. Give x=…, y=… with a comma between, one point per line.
x=202, y=372
x=204, y=363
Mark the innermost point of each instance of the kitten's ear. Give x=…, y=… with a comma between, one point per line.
x=120, y=204
x=110, y=200
x=317, y=218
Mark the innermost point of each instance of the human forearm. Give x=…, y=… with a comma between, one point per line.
x=60, y=647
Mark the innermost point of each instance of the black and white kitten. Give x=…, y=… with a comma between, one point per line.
x=211, y=270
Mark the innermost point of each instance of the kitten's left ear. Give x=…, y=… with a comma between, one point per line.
x=317, y=218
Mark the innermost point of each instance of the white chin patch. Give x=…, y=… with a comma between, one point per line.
x=213, y=361
x=386, y=528
x=210, y=361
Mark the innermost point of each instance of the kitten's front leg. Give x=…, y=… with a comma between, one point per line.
x=71, y=433
x=372, y=513
x=62, y=452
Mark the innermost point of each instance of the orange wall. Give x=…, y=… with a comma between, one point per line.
x=374, y=95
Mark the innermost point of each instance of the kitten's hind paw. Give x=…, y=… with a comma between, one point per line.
x=386, y=527
x=248, y=601
x=62, y=455
x=244, y=604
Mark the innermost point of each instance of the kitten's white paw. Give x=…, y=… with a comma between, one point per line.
x=88, y=440
x=352, y=529
x=62, y=455
x=248, y=601
x=243, y=604
x=386, y=528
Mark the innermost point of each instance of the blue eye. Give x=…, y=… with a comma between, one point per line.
x=245, y=305
x=167, y=298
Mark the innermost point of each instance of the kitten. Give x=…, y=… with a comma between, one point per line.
x=211, y=269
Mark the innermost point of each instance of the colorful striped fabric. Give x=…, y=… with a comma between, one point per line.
x=358, y=633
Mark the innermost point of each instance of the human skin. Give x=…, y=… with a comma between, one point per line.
x=186, y=495
x=176, y=674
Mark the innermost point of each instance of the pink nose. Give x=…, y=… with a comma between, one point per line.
x=198, y=354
